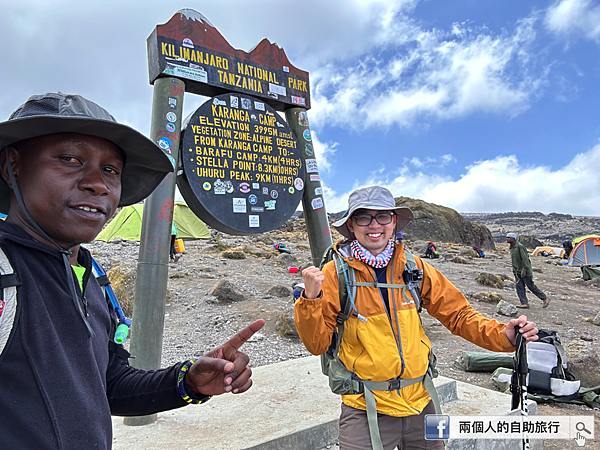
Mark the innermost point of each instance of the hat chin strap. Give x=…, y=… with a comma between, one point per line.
x=66, y=254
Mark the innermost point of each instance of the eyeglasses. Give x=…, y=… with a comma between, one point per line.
x=382, y=218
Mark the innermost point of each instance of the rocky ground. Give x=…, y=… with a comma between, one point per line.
x=261, y=287
x=552, y=229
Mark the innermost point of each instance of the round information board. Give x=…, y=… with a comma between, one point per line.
x=242, y=167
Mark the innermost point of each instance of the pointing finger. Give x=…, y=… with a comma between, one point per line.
x=242, y=336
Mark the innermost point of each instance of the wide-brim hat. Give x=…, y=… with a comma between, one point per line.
x=377, y=198
x=146, y=165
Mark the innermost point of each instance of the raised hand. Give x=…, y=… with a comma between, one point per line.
x=313, y=278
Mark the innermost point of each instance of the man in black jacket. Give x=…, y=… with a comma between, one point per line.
x=66, y=165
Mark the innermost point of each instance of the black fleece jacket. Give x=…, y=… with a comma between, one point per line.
x=58, y=385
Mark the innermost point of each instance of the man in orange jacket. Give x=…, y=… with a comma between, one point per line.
x=384, y=339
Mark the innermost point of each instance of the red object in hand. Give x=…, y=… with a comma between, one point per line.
x=293, y=269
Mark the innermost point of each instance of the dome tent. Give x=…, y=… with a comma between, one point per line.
x=586, y=252
x=127, y=225
x=549, y=250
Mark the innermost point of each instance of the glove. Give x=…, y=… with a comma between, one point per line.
x=523, y=273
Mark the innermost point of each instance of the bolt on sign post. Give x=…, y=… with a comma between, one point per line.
x=242, y=168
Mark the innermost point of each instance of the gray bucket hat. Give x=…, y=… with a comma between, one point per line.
x=146, y=164
x=377, y=198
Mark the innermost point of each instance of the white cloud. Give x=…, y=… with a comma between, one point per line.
x=498, y=185
x=416, y=162
x=432, y=74
x=98, y=49
x=574, y=16
x=324, y=153
x=430, y=161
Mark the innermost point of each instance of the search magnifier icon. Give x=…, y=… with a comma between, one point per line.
x=581, y=427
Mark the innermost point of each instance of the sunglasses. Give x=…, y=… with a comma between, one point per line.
x=382, y=218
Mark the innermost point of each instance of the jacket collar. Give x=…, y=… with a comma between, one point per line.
x=344, y=249
x=10, y=232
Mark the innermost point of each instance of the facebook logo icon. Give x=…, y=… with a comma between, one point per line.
x=437, y=426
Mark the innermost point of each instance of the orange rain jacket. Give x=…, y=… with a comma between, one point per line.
x=372, y=349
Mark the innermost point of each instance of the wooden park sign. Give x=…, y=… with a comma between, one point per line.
x=189, y=47
x=242, y=170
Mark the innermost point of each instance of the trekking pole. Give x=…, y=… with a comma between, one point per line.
x=521, y=369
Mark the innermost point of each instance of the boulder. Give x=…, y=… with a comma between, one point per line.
x=285, y=260
x=597, y=319
x=582, y=361
x=488, y=297
x=459, y=260
x=227, y=293
x=469, y=253
x=509, y=285
x=285, y=325
x=260, y=250
x=529, y=241
x=280, y=291
x=506, y=309
x=234, y=255
x=441, y=224
x=288, y=226
x=489, y=279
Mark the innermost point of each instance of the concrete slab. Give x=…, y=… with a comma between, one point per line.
x=286, y=398
x=290, y=406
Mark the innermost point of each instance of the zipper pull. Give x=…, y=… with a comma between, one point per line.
x=85, y=307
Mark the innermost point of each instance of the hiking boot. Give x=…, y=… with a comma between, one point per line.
x=545, y=302
x=523, y=306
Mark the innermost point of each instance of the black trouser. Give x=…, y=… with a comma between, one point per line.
x=172, y=251
x=527, y=281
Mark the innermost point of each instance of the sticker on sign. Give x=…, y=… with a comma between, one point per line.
x=239, y=205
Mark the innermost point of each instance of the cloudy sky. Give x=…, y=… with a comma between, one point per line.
x=479, y=105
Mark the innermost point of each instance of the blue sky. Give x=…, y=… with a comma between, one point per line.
x=482, y=106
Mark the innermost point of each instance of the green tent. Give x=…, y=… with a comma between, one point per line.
x=127, y=225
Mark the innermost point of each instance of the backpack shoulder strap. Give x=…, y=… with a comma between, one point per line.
x=412, y=278
x=123, y=323
x=9, y=281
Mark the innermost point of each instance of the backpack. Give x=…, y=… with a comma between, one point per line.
x=431, y=251
x=9, y=281
x=344, y=382
x=544, y=362
x=478, y=250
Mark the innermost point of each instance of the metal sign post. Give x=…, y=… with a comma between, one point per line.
x=152, y=269
x=317, y=225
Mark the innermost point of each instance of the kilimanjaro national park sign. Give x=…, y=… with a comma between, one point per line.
x=189, y=47
x=242, y=166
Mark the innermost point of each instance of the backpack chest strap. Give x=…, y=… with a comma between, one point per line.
x=379, y=285
x=394, y=384
x=404, y=288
